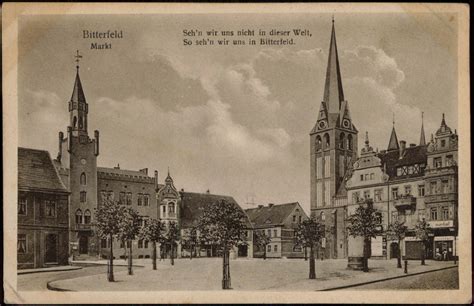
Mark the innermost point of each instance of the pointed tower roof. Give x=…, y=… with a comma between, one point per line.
x=333, y=93
x=77, y=92
x=422, y=133
x=393, y=143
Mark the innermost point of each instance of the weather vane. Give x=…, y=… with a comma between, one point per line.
x=78, y=57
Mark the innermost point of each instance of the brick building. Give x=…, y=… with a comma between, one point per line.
x=277, y=222
x=42, y=212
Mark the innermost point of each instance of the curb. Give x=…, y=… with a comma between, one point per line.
x=19, y=272
x=85, y=264
x=386, y=279
x=49, y=287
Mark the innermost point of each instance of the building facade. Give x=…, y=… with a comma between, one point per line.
x=277, y=221
x=43, y=233
x=333, y=149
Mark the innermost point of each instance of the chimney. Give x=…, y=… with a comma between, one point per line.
x=182, y=189
x=270, y=204
x=61, y=137
x=117, y=167
x=208, y=192
x=260, y=206
x=144, y=170
x=403, y=146
x=412, y=145
x=156, y=179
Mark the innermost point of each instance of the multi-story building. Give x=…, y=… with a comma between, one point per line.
x=279, y=223
x=333, y=149
x=43, y=238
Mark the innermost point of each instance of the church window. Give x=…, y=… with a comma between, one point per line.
x=83, y=179
x=349, y=142
x=74, y=121
x=421, y=190
x=22, y=206
x=327, y=141
x=21, y=244
x=327, y=192
x=87, y=217
x=79, y=216
x=342, y=139
x=318, y=143
x=80, y=122
x=327, y=166
x=319, y=167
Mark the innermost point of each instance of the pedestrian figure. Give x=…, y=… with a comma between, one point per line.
x=445, y=253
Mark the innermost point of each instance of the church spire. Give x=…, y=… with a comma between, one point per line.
x=333, y=92
x=422, y=133
x=78, y=107
x=393, y=143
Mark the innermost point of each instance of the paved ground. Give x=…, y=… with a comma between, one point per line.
x=444, y=279
x=246, y=274
x=38, y=281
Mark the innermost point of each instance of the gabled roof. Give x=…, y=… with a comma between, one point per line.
x=192, y=206
x=271, y=215
x=413, y=155
x=36, y=172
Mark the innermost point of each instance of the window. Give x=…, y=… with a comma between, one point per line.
x=318, y=143
x=355, y=197
x=269, y=248
x=410, y=169
x=395, y=193
x=399, y=171
x=421, y=190
x=294, y=218
x=122, y=244
x=378, y=195
x=82, y=196
x=433, y=187
x=443, y=143
x=269, y=233
x=79, y=216
x=275, y=233
x=366, y=194
x=275, y=248
x=372, y=176
x=110, y=195
x=394, y=216
x=444, y=186
x=327, y=141
x=103, y=196
x=83, y=179
x=140, y=200
x=122, y=197
x=299, y=219
x=437, y=162
x=342, y=139
x=21, y=247
x=164, y=209
x=366, y=177
x=449, y=160
x=74, y=121
x=140, y=244
x=103, y=243
x=146, y=200
x=146, y=244
x=434, y=213
x=171, y=208
x=361, y=177
x=323, y=216
x=22, y=206
x=445, y=213
x=87, y=217
x=50, y=207
x=349, y=142
x=407, y=189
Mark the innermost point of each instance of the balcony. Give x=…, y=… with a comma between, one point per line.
x=443, y=197
x=83, y=227
x=404, y=201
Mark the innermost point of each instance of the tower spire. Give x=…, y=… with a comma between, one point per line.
x=422, y=133
x=393, y=143
x=333, y=92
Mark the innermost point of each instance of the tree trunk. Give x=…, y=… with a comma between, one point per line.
x=172, y=254
x=191, y=255
x=312, y=263
x=365, y=264
x=130, y=271
x=226, y=270
x=264, y=252
x=423, y=251
x=110, y=274
x=399, y=258
x=154, y=255
x=305, y=254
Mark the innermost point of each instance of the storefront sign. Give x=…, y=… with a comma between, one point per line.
x=443, y=238
x=438, y=224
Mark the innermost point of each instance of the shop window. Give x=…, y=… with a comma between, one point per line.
x=22, y=203
x=50, y=207
x=22, y=245
x=87, y=217
x=82, y=196
x=83, y=179
x=79, y=216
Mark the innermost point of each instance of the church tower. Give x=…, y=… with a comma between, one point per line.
x=333, y=149
x=78, y=160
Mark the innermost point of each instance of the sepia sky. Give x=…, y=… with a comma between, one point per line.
x=233, y=119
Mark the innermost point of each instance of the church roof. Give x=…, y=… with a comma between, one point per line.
x=272, y=214
x=393, y=143
x=333, y=92
x=192, y=206
x=36, y=172
x=77, y=92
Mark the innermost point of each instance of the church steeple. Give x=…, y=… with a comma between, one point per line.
x=422, y=133
x=333, y=92
x=78, y=107
x=393, y=143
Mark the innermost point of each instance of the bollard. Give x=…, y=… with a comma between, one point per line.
x=406, y=267
x=455, y=260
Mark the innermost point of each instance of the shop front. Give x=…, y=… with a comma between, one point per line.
x=445, y=248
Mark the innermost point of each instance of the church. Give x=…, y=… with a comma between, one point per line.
x=407, y=183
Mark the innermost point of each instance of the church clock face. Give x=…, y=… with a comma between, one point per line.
x=83, y=161
x=322, y=124
x=346, y=123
